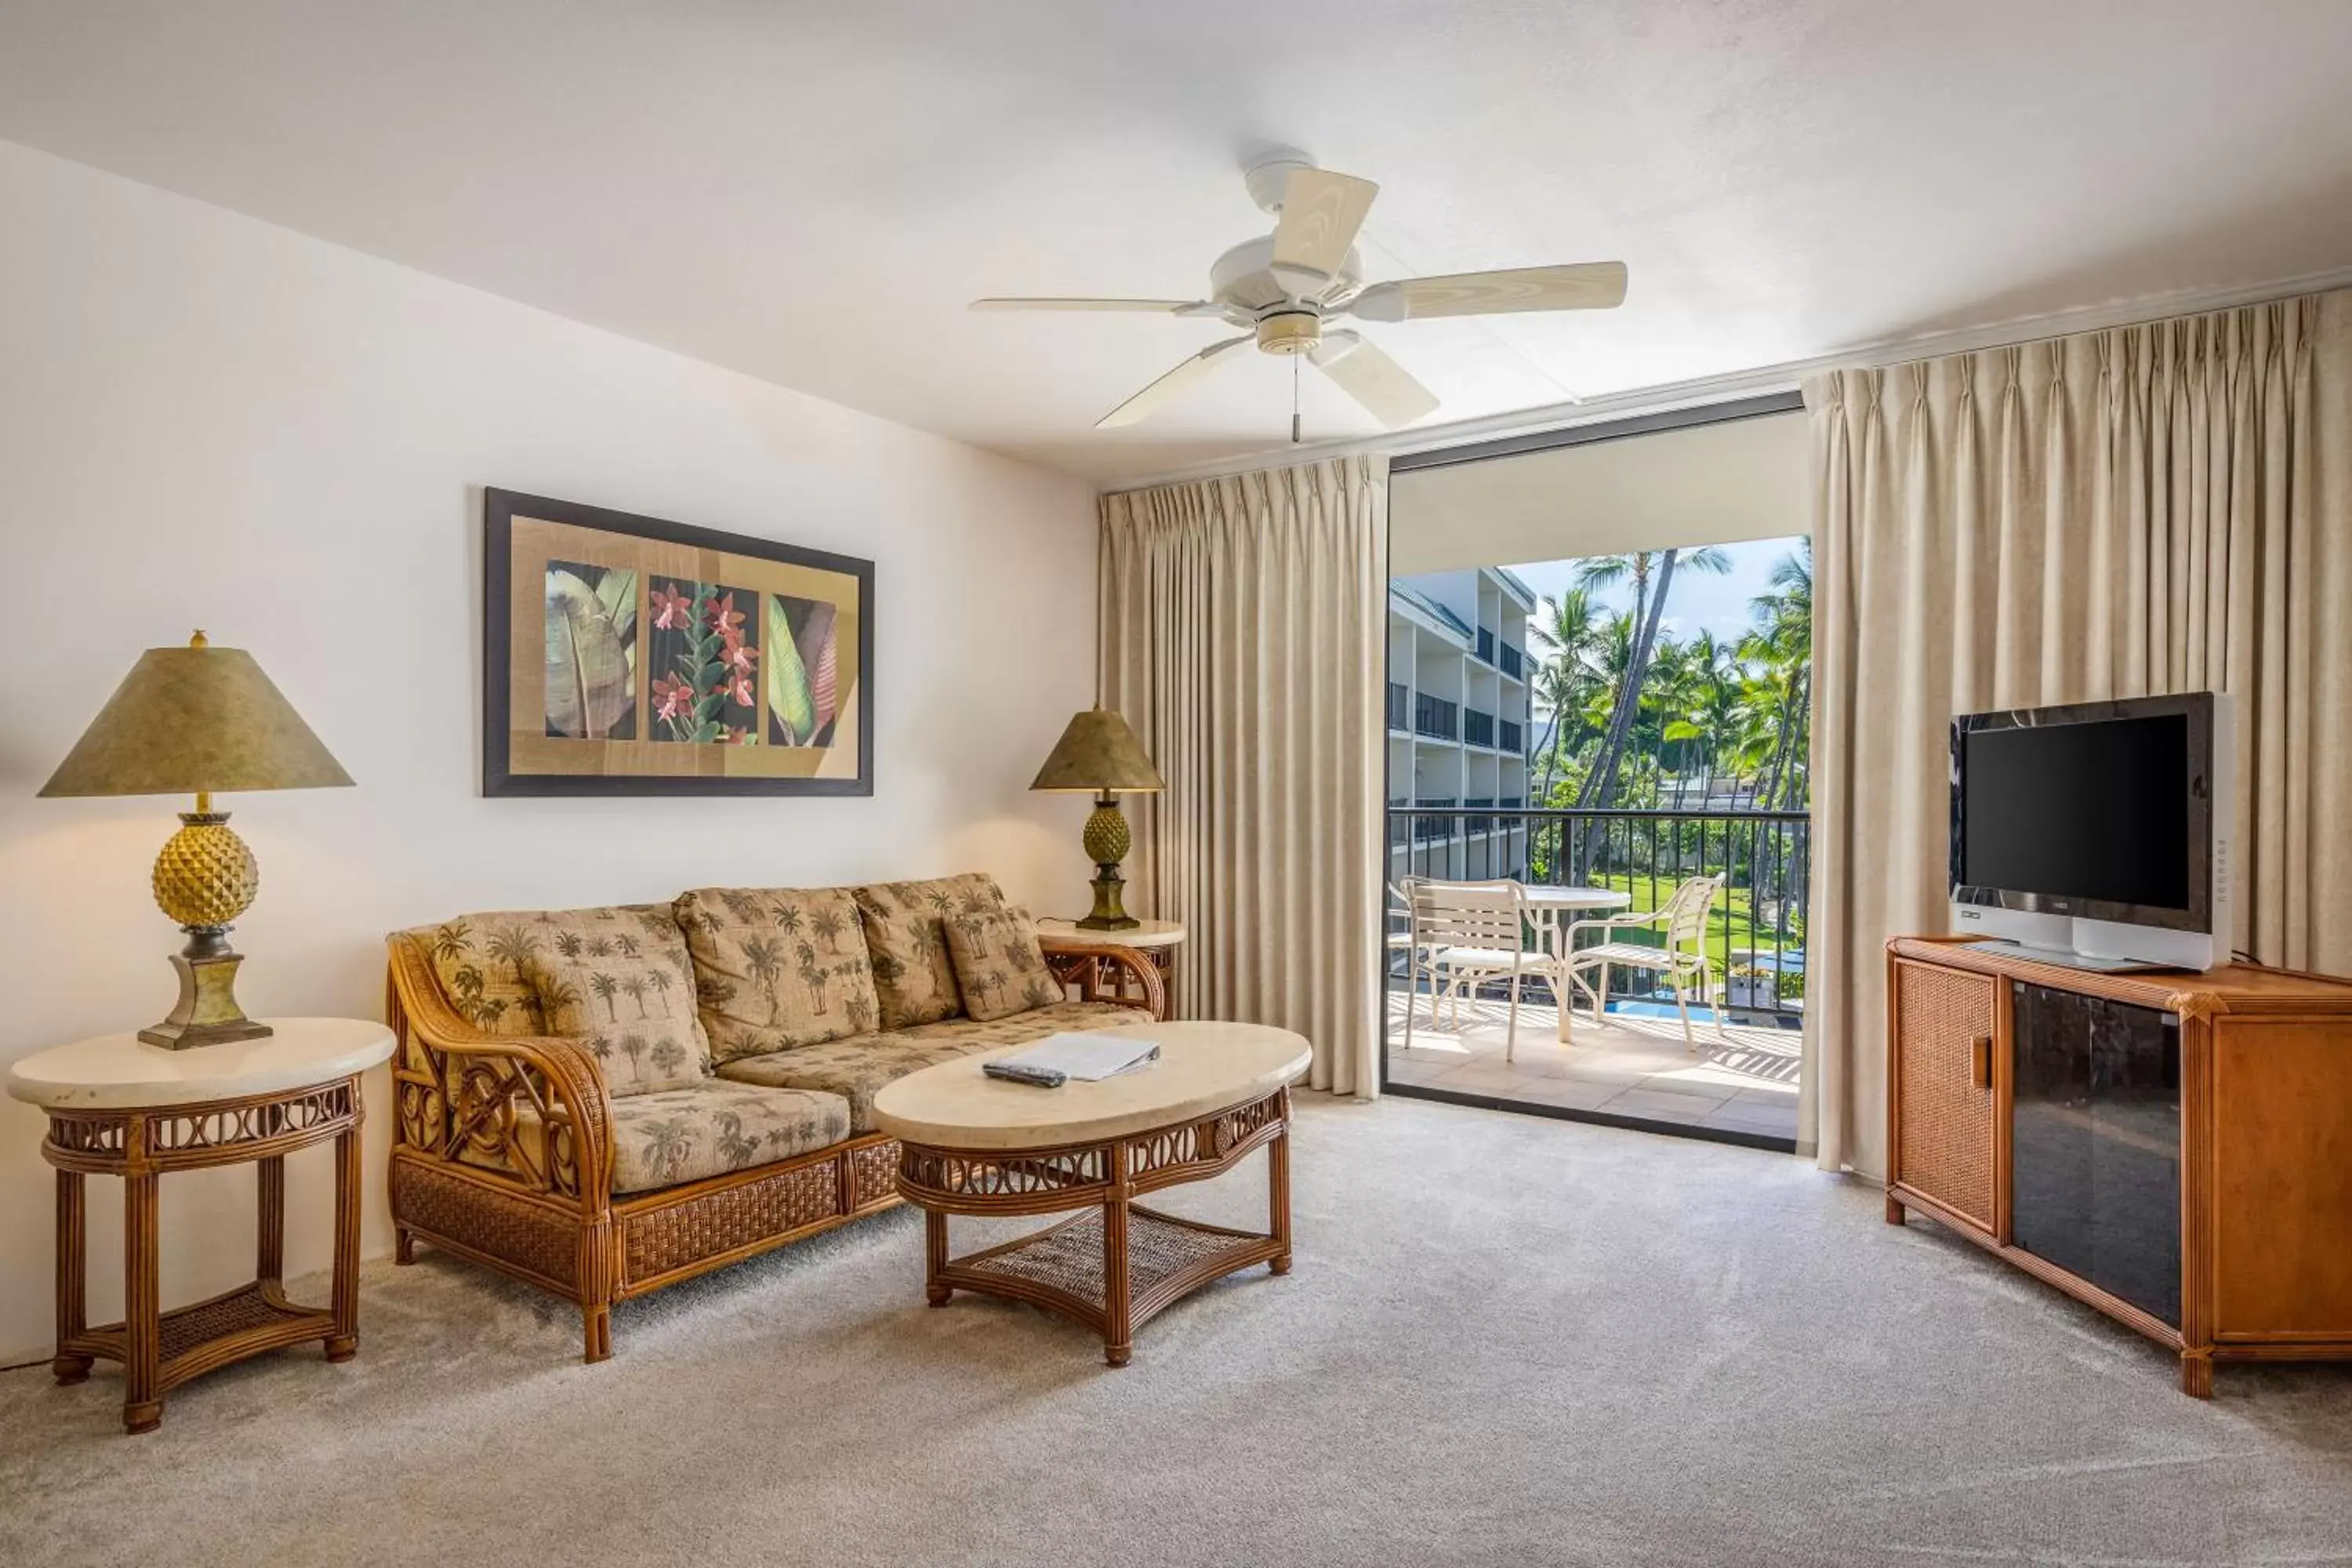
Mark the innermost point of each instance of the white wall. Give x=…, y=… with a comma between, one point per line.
x=205, y=421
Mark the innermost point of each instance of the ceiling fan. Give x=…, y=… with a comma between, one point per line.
x=1286, y=287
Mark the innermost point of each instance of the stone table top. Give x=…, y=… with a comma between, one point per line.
x=1143, y=934
x=122, y=1072
x=1204, y=1068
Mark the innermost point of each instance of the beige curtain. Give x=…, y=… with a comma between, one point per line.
x=2164, y=508
x=1242, y=626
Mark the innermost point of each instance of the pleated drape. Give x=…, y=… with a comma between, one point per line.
x=1242, y=624
x=2154, y=509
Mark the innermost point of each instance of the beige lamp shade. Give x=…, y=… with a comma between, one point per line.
x=191, y=719
x=1097, y=751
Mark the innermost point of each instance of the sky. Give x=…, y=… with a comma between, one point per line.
x=1695, y=600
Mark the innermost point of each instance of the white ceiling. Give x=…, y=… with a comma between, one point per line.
x=809, y=192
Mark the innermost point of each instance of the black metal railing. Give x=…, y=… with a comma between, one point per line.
x=1485, y=645
x=1477, y=729
x=1756, y=933
x=1434, y=717
x=1510, y=738
x=1515, y=663
x=1400, y=706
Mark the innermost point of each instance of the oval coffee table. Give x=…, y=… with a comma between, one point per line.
x=972, y=1144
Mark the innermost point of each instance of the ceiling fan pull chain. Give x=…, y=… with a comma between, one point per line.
x=1294, y=400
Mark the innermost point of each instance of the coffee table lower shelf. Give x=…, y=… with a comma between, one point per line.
x=1061, y=1269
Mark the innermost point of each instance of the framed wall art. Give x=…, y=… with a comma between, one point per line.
x=624, y=655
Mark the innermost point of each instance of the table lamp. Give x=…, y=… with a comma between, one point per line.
x=190, y=721
x=1098, y=753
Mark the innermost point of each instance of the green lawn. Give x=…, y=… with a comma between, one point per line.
x=1726, y=922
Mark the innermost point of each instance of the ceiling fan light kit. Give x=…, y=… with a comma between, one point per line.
x=1283, y=288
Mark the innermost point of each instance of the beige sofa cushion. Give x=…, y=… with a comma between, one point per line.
x=905, y=932
x=482, y=962
x=1000, y=969
x=777, y=968
x=857, y=1069
x=627, y=993
x=676, y=1135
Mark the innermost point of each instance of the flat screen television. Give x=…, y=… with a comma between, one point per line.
x=2098, y=833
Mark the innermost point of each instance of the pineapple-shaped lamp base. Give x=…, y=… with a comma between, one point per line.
x=1107, y=842
x=205, y=877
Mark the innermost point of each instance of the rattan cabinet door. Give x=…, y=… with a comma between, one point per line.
x=1943, y=1087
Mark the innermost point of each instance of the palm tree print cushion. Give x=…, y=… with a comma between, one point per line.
x=906, y=934
x=483, y=961
x=999, y=968
x=627, y=993
x=685, y=1134
x=777, y=968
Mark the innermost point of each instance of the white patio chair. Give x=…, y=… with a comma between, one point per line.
x=1462, y=933
x=1682, y=956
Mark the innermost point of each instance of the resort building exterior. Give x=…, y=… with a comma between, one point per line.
x=1458, y=731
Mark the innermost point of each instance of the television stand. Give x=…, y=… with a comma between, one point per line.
x=2067, y=958
x=2174, y=1150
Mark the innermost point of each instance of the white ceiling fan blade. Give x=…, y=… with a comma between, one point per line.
x=1581, y=286
x=1322, y=211
x=1146, y=403
x=1149, y=306
x=1385, y=388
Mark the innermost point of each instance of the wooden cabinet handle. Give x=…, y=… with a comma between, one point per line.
x=1980, y=1060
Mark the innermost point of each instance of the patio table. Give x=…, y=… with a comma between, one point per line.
x=1555, y=909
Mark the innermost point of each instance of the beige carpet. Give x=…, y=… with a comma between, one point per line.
x=1507, y=1341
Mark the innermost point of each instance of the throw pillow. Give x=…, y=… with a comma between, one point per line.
x=1000, y=969
x=777, y=967
x=483, y=961
x=914, y=978
x=626, y=993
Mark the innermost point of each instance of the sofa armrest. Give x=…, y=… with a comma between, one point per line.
x=1103, y=971
x=529, y=1109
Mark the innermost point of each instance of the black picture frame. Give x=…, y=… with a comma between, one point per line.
x=501, y=508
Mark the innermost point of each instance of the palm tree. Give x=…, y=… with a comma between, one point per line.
x=1649, y=605
x=607, y=988
x=659, y=980
x=512, y=946
x=814, y=975
x=828, y=926
x=450, y=941
x=1572, y=631
x=668, y=1057
x=765, y=958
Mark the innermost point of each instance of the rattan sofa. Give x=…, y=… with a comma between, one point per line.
x=540, y=1152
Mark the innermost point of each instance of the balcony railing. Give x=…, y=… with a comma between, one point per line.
x=1400, y=706
x=1477, y=729
x=1515, y=663
x=1485, y=645
x=1756, y=935
x=1512, y=739
x=1434, y=717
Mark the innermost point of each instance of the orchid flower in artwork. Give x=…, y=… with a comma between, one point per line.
x=672, y=611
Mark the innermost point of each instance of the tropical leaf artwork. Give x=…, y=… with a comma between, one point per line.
x=802, y=672
x=591, y=652
x=705, y=647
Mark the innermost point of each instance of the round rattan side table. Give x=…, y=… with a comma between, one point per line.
x=118, y=1106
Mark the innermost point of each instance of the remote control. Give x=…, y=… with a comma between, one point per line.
x=1017, y=1072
